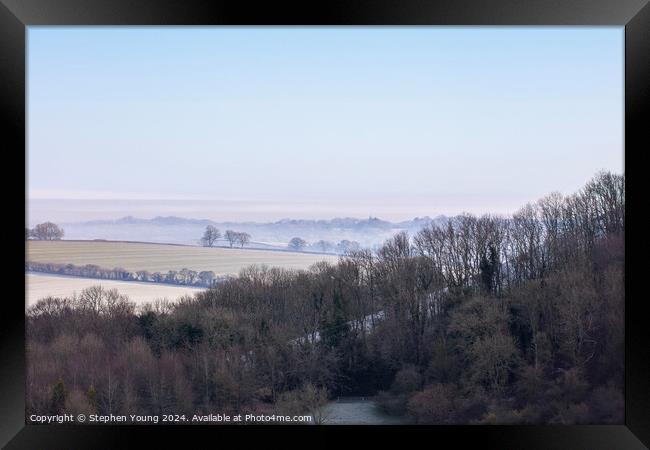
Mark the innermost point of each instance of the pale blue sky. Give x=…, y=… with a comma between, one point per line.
x=390, y=121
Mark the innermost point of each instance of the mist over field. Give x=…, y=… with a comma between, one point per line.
x=369, y=232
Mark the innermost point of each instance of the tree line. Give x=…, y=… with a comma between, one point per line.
x=342, y=247
x=186, y=277
x=212, y=234
x=477, y=320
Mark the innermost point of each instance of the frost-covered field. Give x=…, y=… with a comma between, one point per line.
x=163, y=257
x=38, y=286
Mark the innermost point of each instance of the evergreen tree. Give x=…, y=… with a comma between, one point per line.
x=335, y=327
x=57, y=401
x=92, y=396
x=488, y=268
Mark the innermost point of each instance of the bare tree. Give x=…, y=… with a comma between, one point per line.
x=207, y=277
x=231, y=237
x=210, y=236
x=297, y=244
x=324, y=246
x=346, y=246
x=243, y=239
x=47, y=231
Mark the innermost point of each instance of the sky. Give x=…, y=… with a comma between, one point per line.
x=264, y=123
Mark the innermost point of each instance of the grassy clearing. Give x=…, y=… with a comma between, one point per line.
x=162, y=257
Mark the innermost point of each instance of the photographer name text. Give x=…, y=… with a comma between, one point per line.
x=168, y=418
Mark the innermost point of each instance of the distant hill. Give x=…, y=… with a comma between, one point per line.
x=158, y=220
x=368, y=232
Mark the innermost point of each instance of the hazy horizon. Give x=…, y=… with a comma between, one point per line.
x=83, y=210
x=70, y=210
x=262, y=124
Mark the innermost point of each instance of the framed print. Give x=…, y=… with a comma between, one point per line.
x=356, y=217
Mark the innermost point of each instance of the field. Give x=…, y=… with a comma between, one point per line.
x=39, y=286
x=162, y=257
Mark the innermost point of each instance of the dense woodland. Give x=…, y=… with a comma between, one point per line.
x=477, y=320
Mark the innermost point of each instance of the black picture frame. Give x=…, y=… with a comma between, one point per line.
x=16, y=15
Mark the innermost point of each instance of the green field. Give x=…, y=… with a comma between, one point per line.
x=162, y=257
